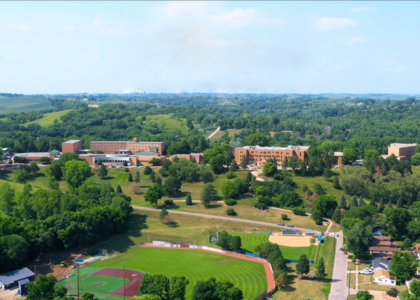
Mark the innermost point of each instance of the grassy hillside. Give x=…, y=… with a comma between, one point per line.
x=23, y=104
x=48, y=118
x=170, y=123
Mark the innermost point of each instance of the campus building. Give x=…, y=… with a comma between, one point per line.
x=16, y=278
x=196, y=157
x=401, y=151
x=72, y=146
x=111, y=147
x=259, y=155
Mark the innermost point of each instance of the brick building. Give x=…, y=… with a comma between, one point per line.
x=197, y=157
x=111, y=147
x=259, y=155
x=73, y=146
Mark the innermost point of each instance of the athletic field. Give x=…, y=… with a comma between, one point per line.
x=251, y=240
x=249, y=276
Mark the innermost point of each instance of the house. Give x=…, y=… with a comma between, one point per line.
x=381, y=250
x=11, y=279
x=382, y=246
x=416, y=251
x=382, y=277
x=383, y=296
x=381, y=263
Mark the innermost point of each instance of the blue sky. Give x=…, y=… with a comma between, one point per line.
x=273, y=46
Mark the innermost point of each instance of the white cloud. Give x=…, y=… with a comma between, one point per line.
x=238, y=17
x=327, y=23
x=114, y=32
x=97, y=22
x=361, y=9
x=18, y=27
x=68, y=28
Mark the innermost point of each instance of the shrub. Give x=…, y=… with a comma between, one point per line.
x=126, y=170
x=299, y=211
x=230, y=175
x=312, y=241
x=169, y=202
x=393, y=292
x=230, y=202
x=231, y=212
x=284, y=217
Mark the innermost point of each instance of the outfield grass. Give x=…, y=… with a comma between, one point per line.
x=48, y=118
x=195, y=266
x=109, y=284
x=251, y=240
x=171, y=124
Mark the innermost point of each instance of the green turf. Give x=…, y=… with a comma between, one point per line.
x=48, y=118
x=23, y=104
x=171, y=124
x=195, y=266
x=251, y=240
x=83, y=272
x=109, y=283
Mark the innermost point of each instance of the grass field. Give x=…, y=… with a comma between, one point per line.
x=195, y=266
x=109, y=284
x=251, y=240
x=171, y=124
x=310, y=288
x=23, y=104
x=48, y=118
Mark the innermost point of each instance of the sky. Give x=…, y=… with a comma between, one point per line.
x=191, y=46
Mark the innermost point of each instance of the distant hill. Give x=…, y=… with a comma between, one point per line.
x=21, y=103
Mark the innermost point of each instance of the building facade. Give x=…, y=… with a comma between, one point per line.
x=402, y=151
x=259, y=155
x=72, y=146
x=111, y=147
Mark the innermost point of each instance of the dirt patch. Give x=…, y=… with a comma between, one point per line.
x=290, y=241
x=98, y=283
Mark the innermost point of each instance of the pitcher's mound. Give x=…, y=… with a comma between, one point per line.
x=98, y=283
x=290, y=241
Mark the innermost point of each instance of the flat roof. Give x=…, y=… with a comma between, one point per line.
x=299, y=148
x=72, y=141
x=5, y=149
x=401, y=145
x=147, y=153
x=12, y=276
x=33, y=154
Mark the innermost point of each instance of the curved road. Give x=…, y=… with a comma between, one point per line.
x=222, y=218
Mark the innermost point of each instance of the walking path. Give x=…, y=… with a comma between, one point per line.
x=214, y=132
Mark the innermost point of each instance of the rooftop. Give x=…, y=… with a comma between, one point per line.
x=382, y=237
x=72, y=141
x=401, y=145
x=146, y=153
x=298, y=148
x=10, y=277
x=382, y=263
x=380, y=273
x=386, y=249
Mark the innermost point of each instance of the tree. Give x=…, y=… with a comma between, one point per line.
x=349, y=156
x=137, y=176
x=336, y=183
x=42, y=288
x=188, y=200
x=415, y=159
x=360, y=202
x=146, y=297
x=288, y=199
x=407, y=244
x=153, y=194
x=163, y=213
x=233, y=166
x=403, y=266
x=269, y=168
x=7, y=194
x=319, y=190
x=118, y=190
x=153, y=176
x=172, y=186
x=282, y=280
x=302, y=267
x=103, y=172
x=13, y=252
x=354, y=202
x=363, y=295
x=359, y=238
x=34, y=168
x=88, y=296
x=229, y=191
x=21, y=176
x=326, y=205
x=395, y=221
x=158, y=285
x=244, y=161
x=130, y=177
x=415, y=288
x=393, y=292
x=208, y=194
x=343, y=202
x=147, y=170
x=45, y=160
x=76, y=172
x=178, y=286
x=216, y=164
x=213, y=290
x=68, y=156
x=320, y=269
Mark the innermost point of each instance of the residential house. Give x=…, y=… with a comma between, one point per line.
x=382, y=277
x=381, y=263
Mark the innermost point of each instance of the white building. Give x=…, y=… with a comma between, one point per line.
x=382, y=277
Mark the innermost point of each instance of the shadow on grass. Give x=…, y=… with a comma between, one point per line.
x=4, y=174
x=214, y=205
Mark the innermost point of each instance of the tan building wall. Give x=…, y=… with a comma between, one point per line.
x=197, y=157
x=406, y=150
x=259, y=155
x=110, y=147
x=72, y=146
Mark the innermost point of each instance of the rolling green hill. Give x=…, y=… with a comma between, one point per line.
x=49, y=118
x=23, y=104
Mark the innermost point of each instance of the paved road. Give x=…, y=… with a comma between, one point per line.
x=339, y=288
x=223, y=218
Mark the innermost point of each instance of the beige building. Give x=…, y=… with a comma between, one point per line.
x=402, y=151
x=259, y=155
x=111, y=147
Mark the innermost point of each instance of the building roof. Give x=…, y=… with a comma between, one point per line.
x=401, y=145
x=337, y=153
x=5, y=149
x=10, y=277
x=382, y=263
x=54, y=151
x=381, y=237
x=297, y=148
x=384, y=249
x=380, y=273
x=72, y=141
x=382, y=243
x=146, y=153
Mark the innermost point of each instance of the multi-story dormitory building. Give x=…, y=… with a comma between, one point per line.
x=259, y=155
x=112, y=147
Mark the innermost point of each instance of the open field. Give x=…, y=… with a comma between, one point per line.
x=251, y=240
x=311, y=288
x=171, y=124
x=195, y=266
x=217, y=136
x=232, y=132
x=23, y=104
x=48, y=118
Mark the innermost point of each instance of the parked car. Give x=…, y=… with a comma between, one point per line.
x=280, y=224
x=333, y=234
x=290, y=225
x=366, y=272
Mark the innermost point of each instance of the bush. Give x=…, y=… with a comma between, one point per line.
x=393, y=292
x=169, y=202
x=126, y=170
x=284, y=217
x=230, y=175
x=230, y=202
x=312, y=241
x=299, y=211
x=278, y=176
x=231, y=212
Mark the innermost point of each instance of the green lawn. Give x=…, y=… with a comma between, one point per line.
x=251, y=240
x=109, y=284
x=48, y=118
x=195, y=265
